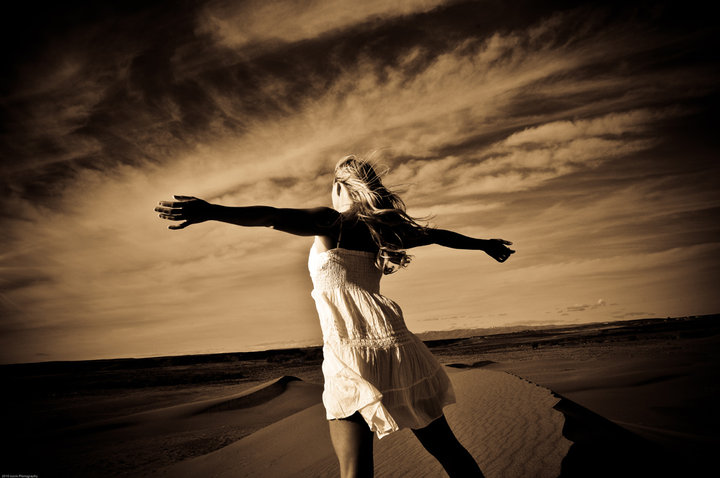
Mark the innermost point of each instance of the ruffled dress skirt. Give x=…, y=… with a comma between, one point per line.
x=372, y=363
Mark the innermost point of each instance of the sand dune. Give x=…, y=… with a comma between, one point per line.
x=253, y=397
x=602, y=448
x=286, y=397
x=138, y=443
x=507, y=423
x=513, y=427
x=660, y=385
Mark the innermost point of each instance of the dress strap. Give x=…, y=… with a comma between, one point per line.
x=337, y=246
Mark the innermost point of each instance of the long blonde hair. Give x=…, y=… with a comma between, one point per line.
x=380, y=209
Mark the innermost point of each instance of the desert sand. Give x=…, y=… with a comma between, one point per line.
x=507, y=423
x=614, y=399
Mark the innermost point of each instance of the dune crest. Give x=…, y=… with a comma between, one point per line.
x=250, y=398
x=508, y=424
x=163, y=436
x=253, y=397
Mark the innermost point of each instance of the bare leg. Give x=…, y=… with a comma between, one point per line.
x=439, y=440
x=353, y=442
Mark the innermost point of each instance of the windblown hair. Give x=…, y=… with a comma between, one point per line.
x=381, y=210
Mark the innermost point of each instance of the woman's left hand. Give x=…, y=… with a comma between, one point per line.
x=498, y=250
x=186, y=208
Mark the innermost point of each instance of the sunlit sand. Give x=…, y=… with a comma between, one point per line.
x=607, y=400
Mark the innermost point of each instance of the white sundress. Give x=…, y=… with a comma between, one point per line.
x=372, y=363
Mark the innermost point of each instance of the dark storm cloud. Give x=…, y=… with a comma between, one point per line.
x=97, y=87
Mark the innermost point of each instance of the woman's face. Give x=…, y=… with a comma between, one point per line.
x=340, y=199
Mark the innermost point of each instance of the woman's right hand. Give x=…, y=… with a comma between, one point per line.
x=185, y=208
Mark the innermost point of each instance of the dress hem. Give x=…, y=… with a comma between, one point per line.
x=381, y=434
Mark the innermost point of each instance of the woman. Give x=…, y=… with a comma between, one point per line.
x=379, y=377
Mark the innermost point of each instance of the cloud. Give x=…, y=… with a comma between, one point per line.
x=581, y=307
x=633, y=315
x=576, y=308
x=615, y=124
x=530, y=157
x=547, y=130
x=237, y=25
x=139, y=105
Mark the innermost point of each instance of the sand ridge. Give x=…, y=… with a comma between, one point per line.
x=285, y=398
x=508, y=424
x=139, y=443
x=120, y=419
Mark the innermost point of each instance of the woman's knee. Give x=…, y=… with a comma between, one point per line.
x=353, y=443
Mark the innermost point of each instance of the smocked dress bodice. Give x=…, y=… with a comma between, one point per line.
x=338, y=268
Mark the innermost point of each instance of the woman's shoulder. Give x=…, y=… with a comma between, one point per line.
x=324, y=215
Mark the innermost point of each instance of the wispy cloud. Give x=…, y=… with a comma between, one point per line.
x=555, y=129
x=237, y=25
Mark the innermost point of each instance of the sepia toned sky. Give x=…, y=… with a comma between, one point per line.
x=584, y=132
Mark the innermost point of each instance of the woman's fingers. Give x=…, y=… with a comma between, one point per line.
x=173, y=203
x=178, y=210
x=180, y=226
x=181, y=201
x=505, y=251
x=172, y=217
x=501, y=253
x=168, y=210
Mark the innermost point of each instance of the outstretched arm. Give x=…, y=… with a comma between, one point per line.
x=301, y=222
x=495, y=248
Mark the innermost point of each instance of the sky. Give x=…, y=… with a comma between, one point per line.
x=584, y=132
